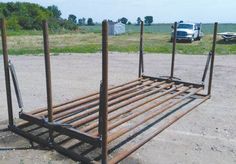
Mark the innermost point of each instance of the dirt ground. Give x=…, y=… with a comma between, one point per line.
x=205, y=136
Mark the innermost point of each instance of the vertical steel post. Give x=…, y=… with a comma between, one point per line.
x=212, y=58
x=7, y=74
x=100, y=118
x=104, y=90
x=48, y=76
x=206, y=67
x=141, y=66
x=173, y=50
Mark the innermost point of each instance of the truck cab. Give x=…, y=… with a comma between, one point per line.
x=188, y=32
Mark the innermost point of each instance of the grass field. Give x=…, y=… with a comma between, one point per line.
x=162, y=28
x=88, y=40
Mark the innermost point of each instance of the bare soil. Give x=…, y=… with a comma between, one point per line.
x=206, y=135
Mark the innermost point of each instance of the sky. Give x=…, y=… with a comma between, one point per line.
x=163, y=11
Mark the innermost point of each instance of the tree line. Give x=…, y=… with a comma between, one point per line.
x=28, y=16
x=148, y=20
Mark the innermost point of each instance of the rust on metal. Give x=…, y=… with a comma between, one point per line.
x=104, y=92
x=112, y=118
x=6, y=70
x=141, y=64
x=173, y=51
x=48, y=75
x=212, y=58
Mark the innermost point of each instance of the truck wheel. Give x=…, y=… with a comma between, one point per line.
x=192, y=39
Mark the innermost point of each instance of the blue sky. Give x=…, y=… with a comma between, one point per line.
x=163, y=11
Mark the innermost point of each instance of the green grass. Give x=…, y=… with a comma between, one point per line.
x=161, y=28
x=156, y=40
x=37, y=32
x=155, y=28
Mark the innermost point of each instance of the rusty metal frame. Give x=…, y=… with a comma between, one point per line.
x=7, y=73
x=92, y=118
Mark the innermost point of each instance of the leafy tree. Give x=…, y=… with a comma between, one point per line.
x=90, y=22
x=72, y=18
x=26, y=22
x=148, y=20
x=123, y=20
x=23, y=15
x=82, y=21
x=55, y=11
x=69, y=25
x=129, y=23
x=139, y=21
x=29, y=16
x=55, y=24
x=13, y=23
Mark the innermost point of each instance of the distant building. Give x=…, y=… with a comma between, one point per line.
x=116, y=28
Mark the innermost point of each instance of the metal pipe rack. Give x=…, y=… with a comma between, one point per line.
x=109, y=125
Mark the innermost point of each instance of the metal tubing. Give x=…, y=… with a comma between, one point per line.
x=100, y=113
x=212, y=58
x=123, y=154
x=104, y=95
x=195, y=85
x=122, y=131
x=72, y=154
x=206, y=67
x=62, y=110
x=87, y=107
x=88, y=128
x=16, y=86
x=123, y=104
x=94, y=116
x=154, y=114
x=138, y=113
x=173, y=51
x=141, y=65
x=7, y=74
x=30, y=136
x=44, y=143
x=73, y=133
x=90, y=108
x=48, y=75
x=84, y=97
x=111, y=117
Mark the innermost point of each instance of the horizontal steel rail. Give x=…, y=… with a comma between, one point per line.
x=176, y=81
x=61, y=129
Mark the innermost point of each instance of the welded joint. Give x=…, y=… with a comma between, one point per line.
x=53, y=124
